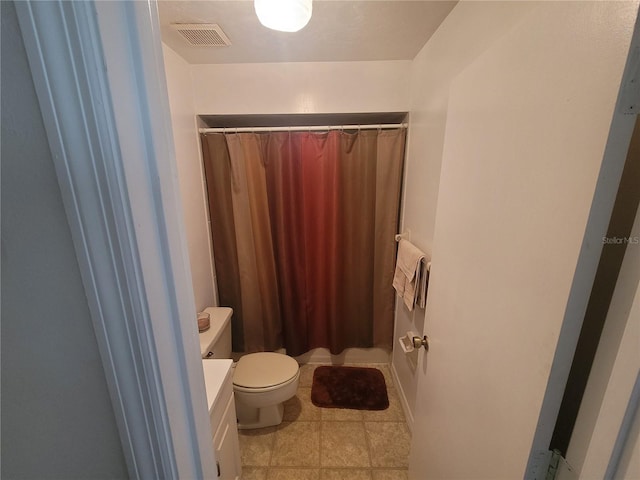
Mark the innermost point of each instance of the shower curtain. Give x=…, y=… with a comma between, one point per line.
x=303, y=228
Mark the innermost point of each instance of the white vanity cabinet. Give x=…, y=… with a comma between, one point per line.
x=222, y=415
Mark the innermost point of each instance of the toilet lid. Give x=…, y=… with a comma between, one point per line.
x=264, y=369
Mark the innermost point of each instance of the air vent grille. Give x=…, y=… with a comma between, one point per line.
x=202, y=34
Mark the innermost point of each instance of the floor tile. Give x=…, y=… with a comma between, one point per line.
x=343, y=444
x=345, y=474
x=306, y=374
x=300, y=408
x=297, y=444
x=389, y=443
x=256, y=446
x=340, y=415
x=293, y=474
x=329, y=443
x=390, y=475
x=254, y=473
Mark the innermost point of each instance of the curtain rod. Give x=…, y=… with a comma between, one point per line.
x=311, y=128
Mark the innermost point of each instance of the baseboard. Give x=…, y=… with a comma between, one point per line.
x=349, y=355
x=408, y=414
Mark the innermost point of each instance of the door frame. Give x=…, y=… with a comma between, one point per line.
x=99, y=75
x=612, y=166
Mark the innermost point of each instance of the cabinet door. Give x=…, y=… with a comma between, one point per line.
x=227, y=447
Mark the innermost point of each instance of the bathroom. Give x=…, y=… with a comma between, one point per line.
x=290, y=88
x=290, y=84
x=539, y=78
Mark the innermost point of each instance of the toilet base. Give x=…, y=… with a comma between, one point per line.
x=252, y=417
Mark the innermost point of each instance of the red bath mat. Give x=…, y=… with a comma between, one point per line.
x=349, y=387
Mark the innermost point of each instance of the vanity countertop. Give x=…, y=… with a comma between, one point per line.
x=216, y=373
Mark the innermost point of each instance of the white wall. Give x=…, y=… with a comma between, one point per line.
x=466, y=33
x=314, y=87
x=190, y=176
x=57, y=418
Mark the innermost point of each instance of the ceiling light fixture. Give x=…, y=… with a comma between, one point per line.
x=283, y=15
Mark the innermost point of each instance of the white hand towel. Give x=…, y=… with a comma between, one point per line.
x=406, y=279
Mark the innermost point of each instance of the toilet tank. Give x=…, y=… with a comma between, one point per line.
x=216, y=342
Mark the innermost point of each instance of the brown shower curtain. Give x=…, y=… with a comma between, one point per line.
x=303, y=231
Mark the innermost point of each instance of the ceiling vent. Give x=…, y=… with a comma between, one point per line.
x=202, y=34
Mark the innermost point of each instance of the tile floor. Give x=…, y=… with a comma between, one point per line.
x=327, y=443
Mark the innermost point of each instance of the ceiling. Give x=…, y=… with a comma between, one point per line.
x=339, y=30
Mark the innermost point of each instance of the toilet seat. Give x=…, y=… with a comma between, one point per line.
x=256, y=391
x=264, y=371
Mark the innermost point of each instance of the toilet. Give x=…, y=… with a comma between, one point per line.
x=262, y=381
